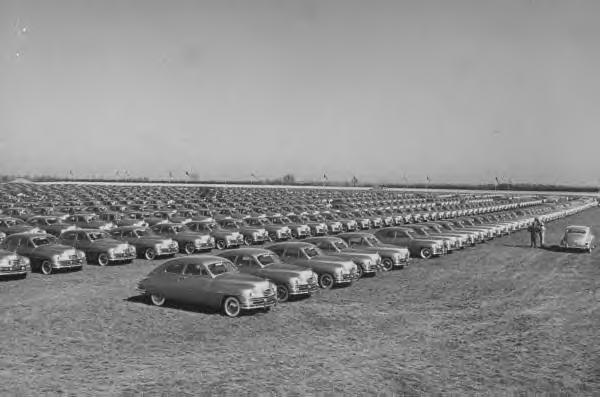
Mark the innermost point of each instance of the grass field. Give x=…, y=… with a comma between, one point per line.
x=499, y=318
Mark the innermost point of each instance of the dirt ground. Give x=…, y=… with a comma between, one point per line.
x=500, y=318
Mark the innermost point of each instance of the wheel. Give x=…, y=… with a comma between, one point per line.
x=387, y=264
x=221, y=244
x=189, y=248
x=426, y=253
x=102, y=259
x=46, y=267
x=247, y=240
x=157, y=299
x=232, y=306
x=326, y=281
x=360, y=272
x=283, y=294
x=150, y=254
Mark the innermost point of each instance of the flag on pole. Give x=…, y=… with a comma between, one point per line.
x=325, y=177
x=428, y=179
x=354, y=181
x=497, y=181
x=187, y=173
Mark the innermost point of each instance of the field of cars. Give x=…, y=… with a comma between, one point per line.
x=309, y=238
x=326, y=257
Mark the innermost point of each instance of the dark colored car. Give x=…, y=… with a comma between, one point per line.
x=391, y=256
x=366, y=262
x=189, y=241
x=99, y=246
x=148, y=244
x=44, y=252
x=402, y=237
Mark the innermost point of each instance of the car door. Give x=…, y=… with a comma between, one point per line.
x=25, y=247
x=246, y=264
x=386, y=236
x=82, y=241
x=170, y=284
x=193, y=284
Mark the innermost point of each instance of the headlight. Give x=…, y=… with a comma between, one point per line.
x=111, y=252
x=81, y=254
x=55, y=258
x=157, y=247
x=247, y=294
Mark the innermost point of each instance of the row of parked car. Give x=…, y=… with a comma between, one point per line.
x=293, y=262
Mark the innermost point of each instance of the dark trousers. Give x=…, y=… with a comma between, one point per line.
x=533, y=239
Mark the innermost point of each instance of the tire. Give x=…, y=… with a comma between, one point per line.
x=189, y=248
x=426, y=253
x=150, y=254
x=231, y=306
x=102, y=259
x=247, y=241
x=283, y=293
x=46, y=267
x=221, y=244
x=387, y=264
x=360, y=272
x=326, y=281
x=157, y=299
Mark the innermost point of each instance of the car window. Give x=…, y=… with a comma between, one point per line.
x=353, y=241
x=195, y=269
x=278, y=250
x=12, y=244
x=324, y=245
x=246, y=261
x=175, y=268
x=81, y=236
x=68, y=236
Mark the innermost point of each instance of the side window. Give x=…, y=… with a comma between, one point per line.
x=324, y=245
x=68, y=236
x=293, y=252
x=81, y=236
x=25, y=242
x=245, y=261
x=194, y=269
x=278, y=250
x=354, y=241
x=176, y=267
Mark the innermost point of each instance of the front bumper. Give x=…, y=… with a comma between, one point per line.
x=122, y=256
x=15, y=269
x=303, y=289
x=259, y=303
x=68, y=263
x=167, y=250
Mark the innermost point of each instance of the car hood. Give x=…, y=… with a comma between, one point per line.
x=286, y=269
x=242, y=281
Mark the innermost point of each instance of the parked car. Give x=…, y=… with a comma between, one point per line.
x=50, y=224
x=9, y=225
x=276, y=232
x=189, y=241
x=578, y=237
x=252, y=235
x=391, y=256
x=44, y=252
x=421, y=247
x=209, y=281
x=223, y=238
x=331, y=270
x=13, y=265
x=298, y=230
x=291, y=280
x=367, y=263
x=89, y=221
x=99, y=246
x=148, y=244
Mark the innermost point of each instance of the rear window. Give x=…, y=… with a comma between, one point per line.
x=176, y=267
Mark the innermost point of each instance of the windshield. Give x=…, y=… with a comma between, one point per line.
x=420, y=232
x=340, y=244
x=577, y=231
x=97, y=235
x=179, y=228
x=221, y=268
x=52, y=221
x=311, y=252
x=46, y=240
x=285, y=219
x=372, y=240
x=267, y=259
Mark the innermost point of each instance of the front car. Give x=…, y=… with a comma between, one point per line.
x=13, y=265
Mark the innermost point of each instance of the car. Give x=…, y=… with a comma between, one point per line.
x=209, y=281
x=316, y=228
x=367, y=263
x=579, y=238
x=119, y=219
x=148, y=244
x=252, y=235
x=50, y=224
x=331, y=270
x=391, y=256
x=276, y=232
x=298, y=230
x=425, y=248
x=223, y=238
x=44, y=252
x=291, y=280
x=9, y=225
x=13, y=265
x=99, y=246
x=89, y=221
x=189, y=241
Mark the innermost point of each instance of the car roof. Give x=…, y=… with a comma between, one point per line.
x=578, y=227
x=14, y=235
x=246, y=251
x=298, y=244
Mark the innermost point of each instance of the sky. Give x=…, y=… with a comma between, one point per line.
x=387, y=91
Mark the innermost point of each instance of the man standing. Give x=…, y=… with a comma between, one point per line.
x=541, y=232
x=533, y=233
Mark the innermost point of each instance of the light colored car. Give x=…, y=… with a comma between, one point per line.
x=209, y=281
x=13, y=265
x=578, y=237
